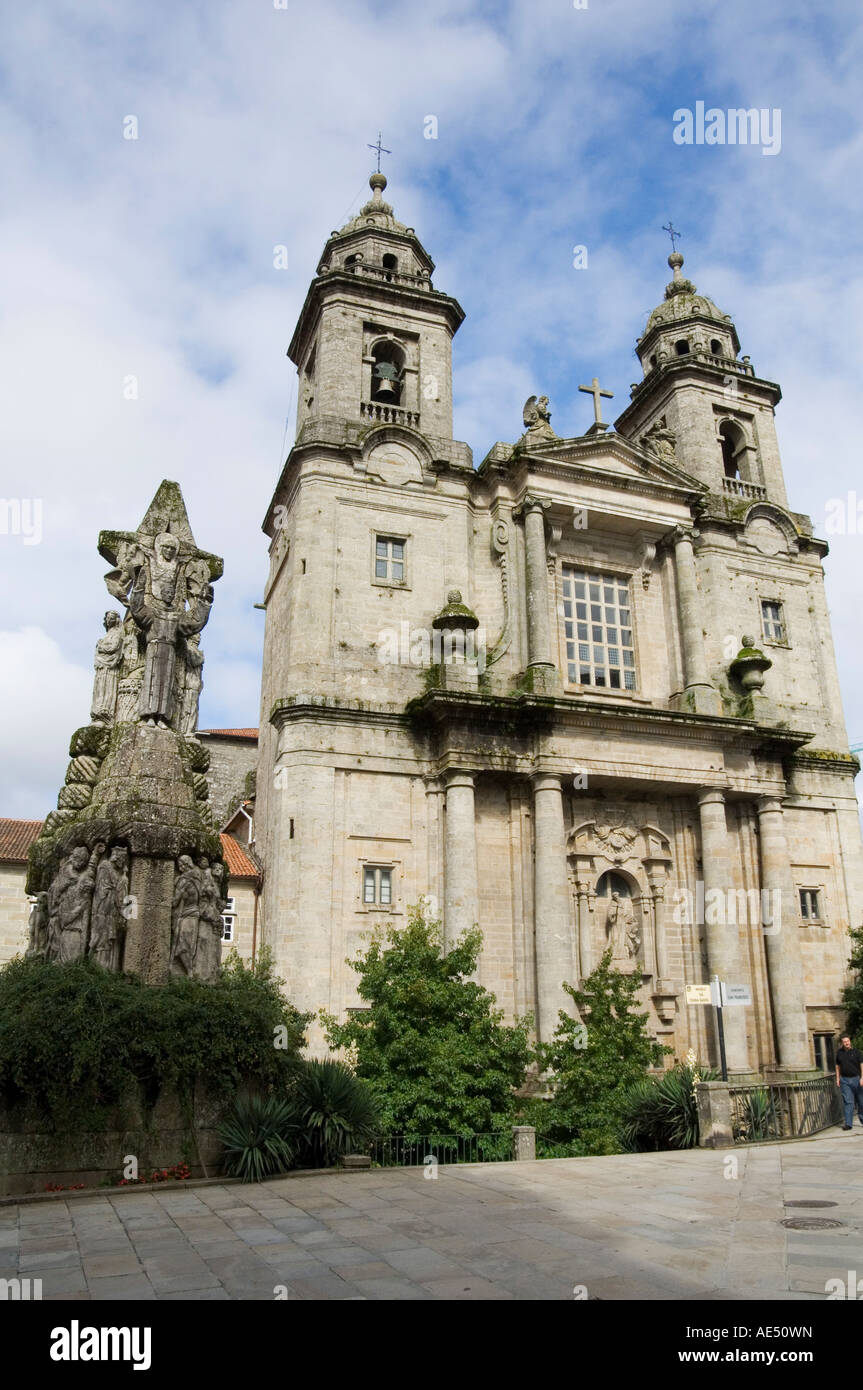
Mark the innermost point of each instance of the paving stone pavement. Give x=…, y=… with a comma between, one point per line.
x=649, y=1226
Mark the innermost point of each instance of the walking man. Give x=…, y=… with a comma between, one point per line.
x=849, y=1075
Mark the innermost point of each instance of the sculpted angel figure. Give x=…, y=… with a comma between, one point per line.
x=537, y=418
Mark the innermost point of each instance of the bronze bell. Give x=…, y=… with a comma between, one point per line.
x=386, y=381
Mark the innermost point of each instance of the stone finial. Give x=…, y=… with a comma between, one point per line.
x=678, y=285
x=750, y=664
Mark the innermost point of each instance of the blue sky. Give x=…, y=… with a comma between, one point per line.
x=154, y=258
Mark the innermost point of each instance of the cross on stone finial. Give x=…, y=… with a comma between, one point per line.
x=379, y=149
x=596, y=391
x=675, y=235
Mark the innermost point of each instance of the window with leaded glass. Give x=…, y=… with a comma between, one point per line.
x=600, y=650
x=389, y=559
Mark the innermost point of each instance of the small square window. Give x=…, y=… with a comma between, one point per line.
x=772, y=620
x=390, y=559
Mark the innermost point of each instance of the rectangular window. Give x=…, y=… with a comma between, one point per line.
x=229, y=918
x=825, y=1053
x=772, y=621
x=810, y=904
x=390, y=559
x=377, y=886
x=597, y=618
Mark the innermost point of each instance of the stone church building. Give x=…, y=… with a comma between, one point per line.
x=583, y=694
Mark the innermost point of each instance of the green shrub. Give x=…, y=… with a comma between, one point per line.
x=431, y=1044
x=591, y=1062
x=661, y=1112
x=755, y=1118
x=261, y=1138
x=78, y=1041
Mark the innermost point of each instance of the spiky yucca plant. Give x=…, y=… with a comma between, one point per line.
x=260, y=1138
x=661, y=1112
x=334, y=1109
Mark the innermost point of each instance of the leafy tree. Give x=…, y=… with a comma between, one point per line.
x=593, y=1063
x=432, y=1046
x=852, y=996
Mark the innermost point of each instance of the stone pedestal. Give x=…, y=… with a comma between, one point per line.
x=523, y=1143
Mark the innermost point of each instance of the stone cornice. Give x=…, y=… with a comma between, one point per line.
x=663, y=376
x=373, y=293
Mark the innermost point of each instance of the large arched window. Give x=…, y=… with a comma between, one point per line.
x=610, y=882
x=387, y=372
x=733, y=443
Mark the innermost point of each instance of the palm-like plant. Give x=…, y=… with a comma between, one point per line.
x=334, y=1109
x=260, y=1138
x=662, y=1112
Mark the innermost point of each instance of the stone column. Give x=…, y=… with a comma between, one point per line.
x=784, y=957
x=555, y=957
x=699, y=695
x=540, y=660
x=461, y=891
x=723, y=938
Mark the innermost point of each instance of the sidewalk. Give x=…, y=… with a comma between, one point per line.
x=649, y=1226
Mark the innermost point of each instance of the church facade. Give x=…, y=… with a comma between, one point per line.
x=583, y=694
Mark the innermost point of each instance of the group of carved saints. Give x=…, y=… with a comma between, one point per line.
x=149, y=664
x=87, y=909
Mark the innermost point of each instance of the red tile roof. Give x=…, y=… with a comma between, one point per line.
x=232, y=733
x=16, y=837
x=238, y=862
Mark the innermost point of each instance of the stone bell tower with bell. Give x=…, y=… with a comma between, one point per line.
x=373, y=341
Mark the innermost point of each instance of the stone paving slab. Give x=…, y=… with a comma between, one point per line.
x=669, y=1226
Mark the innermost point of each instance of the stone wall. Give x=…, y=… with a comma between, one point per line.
x=14, y=910
x=232, y=759
x=32, y=1155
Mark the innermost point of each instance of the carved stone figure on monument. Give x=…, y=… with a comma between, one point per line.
x=185, y=917
x=158, y=605
x=131, y=674
x=537, y=419
x=70, y=899
x=38, y=924
x=109, y=655
x=191, y=692
x=633, y=939
x=209, y=955
x=106, y=919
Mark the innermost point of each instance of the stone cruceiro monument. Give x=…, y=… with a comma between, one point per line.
x=128, y=869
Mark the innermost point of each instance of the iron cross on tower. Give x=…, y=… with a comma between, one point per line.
x=675, y=235
x=379, y=148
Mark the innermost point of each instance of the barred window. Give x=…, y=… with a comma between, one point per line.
x=598, y=628
x=772, y=622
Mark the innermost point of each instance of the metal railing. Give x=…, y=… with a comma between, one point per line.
x=784, y=1110
x=408, y=1150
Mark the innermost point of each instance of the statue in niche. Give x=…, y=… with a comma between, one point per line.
x=537, y=419
x=158, y=603
x=38, y=925
x=107, y=921
x=618, y=925
x=185, y=917
x=109, y=655
x=70, y=899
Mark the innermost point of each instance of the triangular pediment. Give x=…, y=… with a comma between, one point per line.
x=608, y=456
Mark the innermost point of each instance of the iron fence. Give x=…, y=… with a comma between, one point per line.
x=784, y=1110
x=409, y=1150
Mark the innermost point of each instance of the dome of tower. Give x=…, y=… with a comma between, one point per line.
x=375, y=213
x=682, y=302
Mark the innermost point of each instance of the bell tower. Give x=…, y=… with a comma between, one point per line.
x=697, y=387
x=373, y=344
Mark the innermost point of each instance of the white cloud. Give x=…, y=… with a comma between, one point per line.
x=44, y=698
